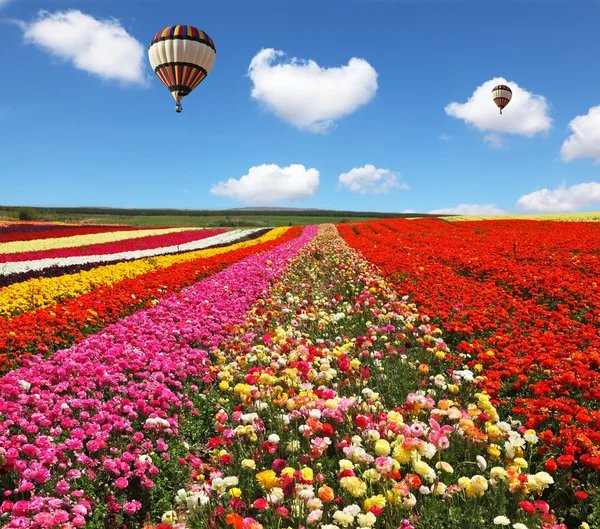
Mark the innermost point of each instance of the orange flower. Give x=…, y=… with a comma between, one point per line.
x=235, y=519
x=326, y=494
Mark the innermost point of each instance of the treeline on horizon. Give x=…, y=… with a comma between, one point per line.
x=208, y=213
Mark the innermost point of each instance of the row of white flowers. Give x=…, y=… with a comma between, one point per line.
x=40, y=264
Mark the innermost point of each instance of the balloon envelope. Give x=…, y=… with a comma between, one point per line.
x=502, y=95
x=181, y=57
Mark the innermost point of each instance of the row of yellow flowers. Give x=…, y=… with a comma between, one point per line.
x=38, y=245
x=42, y=292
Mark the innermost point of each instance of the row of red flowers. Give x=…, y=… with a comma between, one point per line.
x=29, y=232
x=142, y=243
x=520, y=298
x=46, y=330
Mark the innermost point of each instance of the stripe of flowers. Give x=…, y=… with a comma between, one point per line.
x=72, y=241
x=27, y=233
x=102, y=406
x=28, y=296
x=58, y=270
x=141, y=243
x=46, y=330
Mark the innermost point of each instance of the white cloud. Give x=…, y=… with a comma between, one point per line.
x=100, y=47
x=495, y=141
x=369, y=179
x=445, y=137
x=562, y=199
x=307, y=95
x=267, y=184
x=585, y=138
x=4, y=2
x=527, y=114
x=469, y=209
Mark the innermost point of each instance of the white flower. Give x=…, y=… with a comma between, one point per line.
x=196, y=500
x=520, y=526
x=343, y=518
x=501, y=520
x=25, y=386
x=231, y=481
x=274, y=438
x=314, y=517
x=366, y=519
x=481, y=463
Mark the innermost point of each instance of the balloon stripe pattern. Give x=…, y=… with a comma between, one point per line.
x=181, y=56
x=502, y=95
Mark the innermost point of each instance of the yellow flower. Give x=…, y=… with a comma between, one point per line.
x=307, y=474
x=346, y=464
x=248, y=464
x=266, y=479
x=498, y=472
x=520, y=462
x=374, y=501
x=422, y=468
x=235, y=492
x=493, y=451
x=382, y=447
x=480, y=483
x=353, y=486
x=224, y=385
x=288, y=471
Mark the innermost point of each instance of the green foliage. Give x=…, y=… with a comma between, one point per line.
x=28, y=214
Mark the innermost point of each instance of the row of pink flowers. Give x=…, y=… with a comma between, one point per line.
x=99, y=415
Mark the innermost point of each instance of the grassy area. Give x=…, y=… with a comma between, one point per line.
x=151, y=218
x=150, y=221
x=590, y=216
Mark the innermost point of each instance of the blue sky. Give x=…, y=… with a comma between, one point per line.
x=111, y=137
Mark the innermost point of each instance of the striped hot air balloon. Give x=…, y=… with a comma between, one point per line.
x=181, y=57
x=502, y=95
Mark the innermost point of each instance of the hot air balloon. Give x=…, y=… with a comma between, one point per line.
x=502, y=95
x=181, y=57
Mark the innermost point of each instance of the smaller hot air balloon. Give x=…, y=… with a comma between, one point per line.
x=502, y=95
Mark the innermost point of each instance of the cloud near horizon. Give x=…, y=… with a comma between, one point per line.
x=584, y=140
x=309, y=96
x=100, y=47
x=469, y=209
x=370, y=179
x=527, y=114
x=268, y=184
x=562, y=199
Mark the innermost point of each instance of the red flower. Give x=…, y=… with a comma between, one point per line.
x=527, y=506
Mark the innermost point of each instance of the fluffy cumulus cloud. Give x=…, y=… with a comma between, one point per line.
x=561, y=200
x=527, y=114
x=267, y=184
x=100, y=47
x=584, y=140
x=307, y=95
x=469, y=209
x=370, y=179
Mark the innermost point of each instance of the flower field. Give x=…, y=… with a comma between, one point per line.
x=401, y=374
